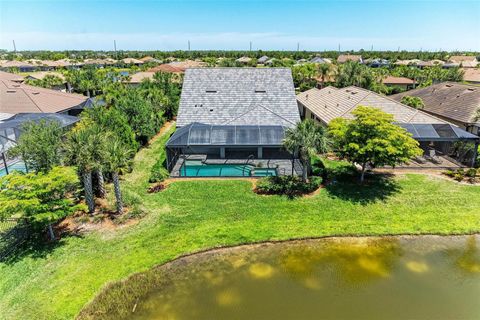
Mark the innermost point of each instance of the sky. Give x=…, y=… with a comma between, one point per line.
x=232, y=25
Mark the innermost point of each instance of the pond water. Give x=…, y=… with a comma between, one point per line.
x=357, y=278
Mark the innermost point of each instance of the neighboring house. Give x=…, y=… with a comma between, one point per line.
x=244, y=60
x=20, y=65
x=137, y=78
x=378, y=63
x=412, y=62
x=40, y=75
x=262, y=60
x=320, y=60
x=471, y=75
x=21, y=98
x=399, y=82
x=168, y=68
x=134, y=61
x=188, y=64
x=454, y=102
x=234, y=114
x=432, y=132
x=349, y=57
x=464, y=61
x=149, y=59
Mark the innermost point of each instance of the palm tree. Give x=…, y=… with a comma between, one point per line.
x=84, y=149
x=306, y=140
x=324, y=70
x=118, y=158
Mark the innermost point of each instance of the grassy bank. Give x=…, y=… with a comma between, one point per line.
x=54, y=282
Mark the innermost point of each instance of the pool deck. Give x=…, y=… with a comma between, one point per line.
x=283, y=166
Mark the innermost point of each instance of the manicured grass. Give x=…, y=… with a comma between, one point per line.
x=54, y=282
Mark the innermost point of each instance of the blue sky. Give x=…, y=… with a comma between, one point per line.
x=228, y=24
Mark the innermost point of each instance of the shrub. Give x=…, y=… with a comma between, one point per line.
x=449, y=173
x=158, y=173
x=290, y=186
x=471, y=173
x=318, y=167
x=459, y=174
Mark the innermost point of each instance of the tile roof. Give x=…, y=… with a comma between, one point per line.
x=39, y=75
x=349, y=57
x=238, y=96
x=330, y=103
x=471, y=75
x=132, y=61
x=450, y=100
x=140, y=76
x=397, y=80
x=166, y=68
x=21, y=98
x=15, y=64
x=11, y=76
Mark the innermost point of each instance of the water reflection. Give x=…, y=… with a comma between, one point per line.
x=377, y=278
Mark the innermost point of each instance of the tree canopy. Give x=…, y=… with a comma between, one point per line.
x=372, y=139
x=39, y=145
x=414, y=102
x=41, y=198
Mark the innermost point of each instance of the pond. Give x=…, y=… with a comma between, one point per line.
x=427, y=277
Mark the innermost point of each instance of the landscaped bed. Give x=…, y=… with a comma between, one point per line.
x=55, y=281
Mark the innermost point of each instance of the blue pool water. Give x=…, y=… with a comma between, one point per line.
x=18, y=166
x=224, y=170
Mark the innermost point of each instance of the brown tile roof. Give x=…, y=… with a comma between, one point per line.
x=330, y=103
x=471, y=75
x=140, y=76
x=450, y=100
x=15, y=64
x=462, y=58
x=166, y=68
x=349, y=57
x=20, y=98
x=188, y=64
x=397, y=80
x=39, y=75
x=132, y=61
x=11, y=76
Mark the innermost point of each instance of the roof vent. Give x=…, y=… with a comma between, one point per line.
x=16, y=85
x=36, y=92
x=11, y=91
x=471, y=89
x=211, y=110
x=211, y=91
x=260, y=91
x=449, y=85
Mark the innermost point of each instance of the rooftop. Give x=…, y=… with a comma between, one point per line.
x=21, y=98
x=140, y=76
x=330, y=103
x=397, y=80
x=238, y=96
x=450, y=100
x=349, y=57
x=11, y=77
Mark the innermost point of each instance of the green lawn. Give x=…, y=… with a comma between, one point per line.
x=55, y=282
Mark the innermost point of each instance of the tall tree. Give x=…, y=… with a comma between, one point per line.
x=306, y=140
x=372, y=138
x=324, y=71
x=85, y=149
x=118, y=158
x=39, y=145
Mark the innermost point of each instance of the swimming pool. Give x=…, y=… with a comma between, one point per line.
x=17, y=166
x=199, y=169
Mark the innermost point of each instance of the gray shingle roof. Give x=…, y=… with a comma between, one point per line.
x=330, y=103
x=238, y=96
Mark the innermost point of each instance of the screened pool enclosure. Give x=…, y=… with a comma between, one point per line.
x=11, y=130
x=443, y=139
x=254, y=145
